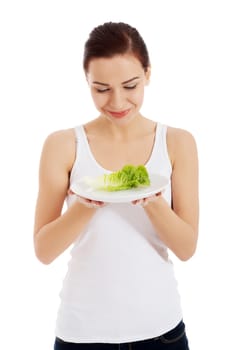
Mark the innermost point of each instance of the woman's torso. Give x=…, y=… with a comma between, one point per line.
x=120, y=284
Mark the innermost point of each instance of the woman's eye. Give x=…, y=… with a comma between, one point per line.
x=130, y=86
x=102, y=90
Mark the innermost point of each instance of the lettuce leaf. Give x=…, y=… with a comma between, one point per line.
x=128, y=177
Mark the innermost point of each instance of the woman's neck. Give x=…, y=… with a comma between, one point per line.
x=125, y=131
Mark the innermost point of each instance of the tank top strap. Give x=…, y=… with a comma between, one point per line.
x=161, y=139
x=81, y=138
x=160, y=151
x=82, y=162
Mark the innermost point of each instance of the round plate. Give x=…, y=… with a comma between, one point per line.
x=158, y=183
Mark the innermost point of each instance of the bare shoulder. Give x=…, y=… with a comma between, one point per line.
x=61, y=144
x=61, y=138
x=180, y=141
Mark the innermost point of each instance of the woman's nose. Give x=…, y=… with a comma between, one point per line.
x=116, y=100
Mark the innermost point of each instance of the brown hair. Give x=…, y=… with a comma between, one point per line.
x=110, y=39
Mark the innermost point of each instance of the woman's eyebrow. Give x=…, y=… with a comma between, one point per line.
x=124, y=82
x=128, y=81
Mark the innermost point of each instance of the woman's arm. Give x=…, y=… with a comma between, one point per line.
x=53, y=232
x=178, y=227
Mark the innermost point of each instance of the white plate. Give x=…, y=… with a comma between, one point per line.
x=158, y=183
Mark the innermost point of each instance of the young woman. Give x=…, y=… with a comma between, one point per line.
x=120, y=289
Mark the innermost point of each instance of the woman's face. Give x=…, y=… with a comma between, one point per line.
x=117, y=86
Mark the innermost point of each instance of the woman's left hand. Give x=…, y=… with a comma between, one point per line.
x=145, y=201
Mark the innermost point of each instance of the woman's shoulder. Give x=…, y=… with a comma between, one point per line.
x=178, y=134
x=62, y=135
x=61, y=144
x=61, y=138
x=178, y=141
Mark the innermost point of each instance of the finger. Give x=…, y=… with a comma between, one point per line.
x=145, y=202
x=91, y=203
x=98, y=202
x=69, y=191
x=149, y=199
x=138, y=201
x=158, y=194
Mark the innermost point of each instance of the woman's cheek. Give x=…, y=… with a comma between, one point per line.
x=99, y=100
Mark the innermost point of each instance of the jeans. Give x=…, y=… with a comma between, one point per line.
x=175, y=339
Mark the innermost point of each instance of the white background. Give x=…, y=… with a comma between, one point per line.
x=42, y=89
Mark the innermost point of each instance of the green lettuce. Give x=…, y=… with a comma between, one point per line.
x=128, y=177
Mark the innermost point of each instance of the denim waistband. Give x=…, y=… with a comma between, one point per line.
x=180, y=324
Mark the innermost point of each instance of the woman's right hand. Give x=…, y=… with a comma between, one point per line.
x=89, y=203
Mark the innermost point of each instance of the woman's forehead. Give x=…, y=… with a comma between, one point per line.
x=122, y=67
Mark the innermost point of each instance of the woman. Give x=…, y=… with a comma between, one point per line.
x=120, y=288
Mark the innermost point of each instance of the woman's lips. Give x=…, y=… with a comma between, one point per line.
x=120, y=114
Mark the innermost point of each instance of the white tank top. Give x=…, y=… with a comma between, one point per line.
x=120, y=284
